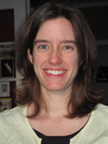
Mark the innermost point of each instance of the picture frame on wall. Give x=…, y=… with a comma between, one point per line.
x=4, y=89
x=7, y=34
x=12, y=19
x=7, y=68
x=5, y=104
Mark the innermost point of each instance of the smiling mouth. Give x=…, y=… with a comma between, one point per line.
x=55, y=72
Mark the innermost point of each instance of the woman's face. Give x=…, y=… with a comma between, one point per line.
x=55, y=56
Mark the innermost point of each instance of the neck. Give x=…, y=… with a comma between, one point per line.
x=56, y=103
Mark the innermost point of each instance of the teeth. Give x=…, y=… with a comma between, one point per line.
x=55, y=72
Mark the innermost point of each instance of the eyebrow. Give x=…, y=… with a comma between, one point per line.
x=39, y=41
x=46, y=41
x=69, y=41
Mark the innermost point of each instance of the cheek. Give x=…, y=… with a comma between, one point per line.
x=73, y=61
x=38, y=60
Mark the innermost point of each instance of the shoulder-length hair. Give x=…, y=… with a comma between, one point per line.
x=83, y=98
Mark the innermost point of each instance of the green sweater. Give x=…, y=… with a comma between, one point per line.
x=15, y=128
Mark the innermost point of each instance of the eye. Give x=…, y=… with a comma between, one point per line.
x=43, y=47
x=68, y=47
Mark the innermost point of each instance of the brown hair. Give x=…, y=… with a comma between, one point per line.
x=84, y=98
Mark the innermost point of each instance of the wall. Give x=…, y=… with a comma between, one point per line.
x=103, y=62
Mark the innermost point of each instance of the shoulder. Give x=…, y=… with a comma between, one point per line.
x=96, y=129
x=13, y=115
x=100, y=115
x=14, y=127
x=11, y=122
x=101, y=110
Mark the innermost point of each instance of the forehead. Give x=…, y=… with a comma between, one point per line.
x=59, y=28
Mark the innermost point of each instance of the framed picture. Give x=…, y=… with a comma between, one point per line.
x=5, y=104
x=4, y=89
x=13, y=13
x=7, y=68
x=7, y=25
x=102, y=75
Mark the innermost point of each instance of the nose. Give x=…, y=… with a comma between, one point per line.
x=55, y=57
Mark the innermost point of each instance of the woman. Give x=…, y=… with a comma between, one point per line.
x=57, y=57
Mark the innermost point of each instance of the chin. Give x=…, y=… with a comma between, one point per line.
x=54, y=88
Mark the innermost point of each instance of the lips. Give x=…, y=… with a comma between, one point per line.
x=55, y=72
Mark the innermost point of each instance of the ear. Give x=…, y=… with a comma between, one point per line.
x=29, y=55
x=80, y=63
